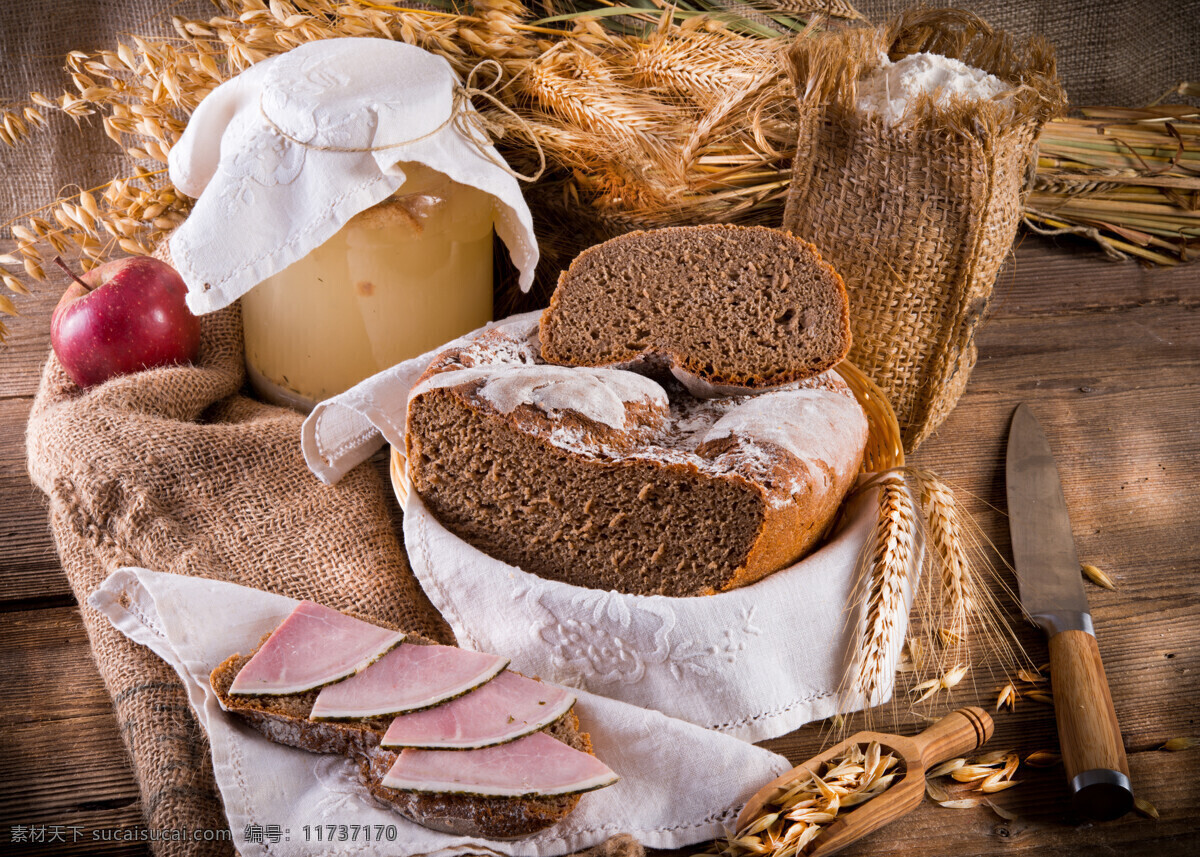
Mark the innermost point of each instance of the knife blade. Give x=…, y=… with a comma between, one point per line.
x=1051, y=590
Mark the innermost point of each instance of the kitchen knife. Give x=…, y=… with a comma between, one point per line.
x=1052, y=593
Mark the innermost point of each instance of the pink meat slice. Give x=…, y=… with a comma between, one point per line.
x=534, y=765
x=504, y=709
x=408, y=677
x=315, y=645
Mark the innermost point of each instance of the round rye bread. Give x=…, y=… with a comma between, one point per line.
x=614, y=480
x=731, y=306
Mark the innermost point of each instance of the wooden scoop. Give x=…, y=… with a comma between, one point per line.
x=956, y=734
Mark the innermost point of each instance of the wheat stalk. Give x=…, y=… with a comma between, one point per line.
x=968, y=607
x=946, y=537
x=699, y=65
x=954, y=610
x=888, y=583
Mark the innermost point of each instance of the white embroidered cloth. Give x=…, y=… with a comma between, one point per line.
x=755, y=663
x=281, y=156
x=679, y=784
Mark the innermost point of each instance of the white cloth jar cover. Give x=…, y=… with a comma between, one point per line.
x=679, y=784
x=283, y=155
x=755, y=663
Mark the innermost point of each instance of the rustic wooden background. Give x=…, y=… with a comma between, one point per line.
x=1107, y=354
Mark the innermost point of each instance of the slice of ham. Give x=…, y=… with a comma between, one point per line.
x=534, y=765
x=504, y=709
x=407, y=678
x=313, y=647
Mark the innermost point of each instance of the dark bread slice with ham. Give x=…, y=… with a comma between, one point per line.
x=476, y=815
x=284, y=719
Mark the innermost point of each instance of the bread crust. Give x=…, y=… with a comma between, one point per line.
x=283, y=719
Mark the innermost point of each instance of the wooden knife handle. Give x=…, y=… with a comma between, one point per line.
x=1092, y=749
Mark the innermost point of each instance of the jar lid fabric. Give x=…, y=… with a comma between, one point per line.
x=280, y=157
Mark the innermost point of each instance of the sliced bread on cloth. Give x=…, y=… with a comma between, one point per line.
x=667, y=796
x=289, y=717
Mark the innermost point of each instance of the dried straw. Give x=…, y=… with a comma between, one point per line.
x=668, y=117
x=1129, y=179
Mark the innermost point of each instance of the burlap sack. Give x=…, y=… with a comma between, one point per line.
x=917, y=218
x=172, y=470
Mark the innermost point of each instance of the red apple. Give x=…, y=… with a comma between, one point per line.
x=123, y=316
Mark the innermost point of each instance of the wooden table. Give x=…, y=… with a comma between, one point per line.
x=1109, y=357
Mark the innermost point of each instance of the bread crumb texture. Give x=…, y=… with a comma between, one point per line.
x=732, y=305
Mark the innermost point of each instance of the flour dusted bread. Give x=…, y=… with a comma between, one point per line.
x=729, y=306
x=610, y=479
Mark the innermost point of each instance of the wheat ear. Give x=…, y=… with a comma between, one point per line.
x=889, y=577
x=946, y=538
x=960, y=562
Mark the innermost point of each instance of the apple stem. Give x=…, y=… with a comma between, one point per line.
x=58, y=260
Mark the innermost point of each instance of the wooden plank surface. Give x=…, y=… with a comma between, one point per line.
x=1107, y=354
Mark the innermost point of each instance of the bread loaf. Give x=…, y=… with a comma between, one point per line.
x=729, y=306
x=613, y=480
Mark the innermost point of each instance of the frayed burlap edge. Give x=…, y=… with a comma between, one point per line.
x=919, y=217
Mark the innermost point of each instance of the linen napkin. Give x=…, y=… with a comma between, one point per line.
x=755, y=663
x=283, y=155
x=679, y=784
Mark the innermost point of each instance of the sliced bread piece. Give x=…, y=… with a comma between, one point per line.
x=284, y=719
x=476, y=815
x=726, y=306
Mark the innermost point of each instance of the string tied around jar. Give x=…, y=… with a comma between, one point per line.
x=463, y=116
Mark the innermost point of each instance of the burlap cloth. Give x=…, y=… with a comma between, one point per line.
x=916, y=217
x=173, y=470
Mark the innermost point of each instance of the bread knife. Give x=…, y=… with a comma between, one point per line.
x=1051, y=588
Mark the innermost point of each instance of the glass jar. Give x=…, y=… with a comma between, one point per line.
x=397, y=280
